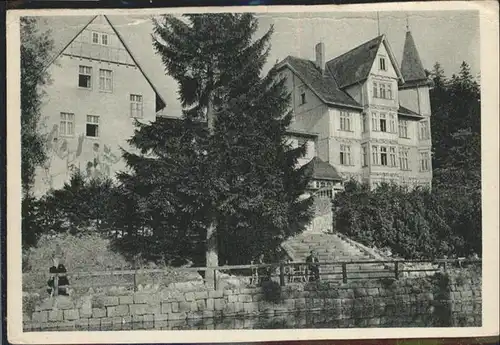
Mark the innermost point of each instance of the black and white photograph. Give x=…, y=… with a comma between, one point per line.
x=252, y=170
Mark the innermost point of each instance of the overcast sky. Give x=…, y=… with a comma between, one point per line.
x=449, y=37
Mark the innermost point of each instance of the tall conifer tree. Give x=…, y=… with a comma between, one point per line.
x=234, y=181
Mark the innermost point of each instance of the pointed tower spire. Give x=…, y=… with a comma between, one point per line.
x=411, y=66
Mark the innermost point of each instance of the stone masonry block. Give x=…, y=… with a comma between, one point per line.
x=161, y=317
x=82, y=323
x=166, y=307
x=238, y=307
x=219, y=304
x=127, y=299
x=201, y=295
x=142, y=298
x=245, y=298
x=300, y=303
x=257, y=297
x=149, y=318
x=64, y=302
x=201, y=305
x=119, y=310
x=215, y=294
x=184, y=306
x=56, y=315
x=189, y=296
x=290, y=304
x=228, y=292
x=108, y=301
x=175, y=307
x=210, y=304
x=47, y=304
x=71, y=314
x=139, y=309
x=178, y=316
x=232, y=298
x=85, y=312
x=208, y=314
x=250, y=308
x=40, y=316
x=98, y=312
x=373, y=292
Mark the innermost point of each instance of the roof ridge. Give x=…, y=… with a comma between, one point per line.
x=357, y=47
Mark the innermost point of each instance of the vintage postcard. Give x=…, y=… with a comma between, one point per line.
x=253, y=173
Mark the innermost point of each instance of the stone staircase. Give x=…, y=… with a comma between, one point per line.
x=331, y=248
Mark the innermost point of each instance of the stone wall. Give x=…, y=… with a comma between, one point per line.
x=443, y=300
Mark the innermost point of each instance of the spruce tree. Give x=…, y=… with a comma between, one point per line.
x=224, y=173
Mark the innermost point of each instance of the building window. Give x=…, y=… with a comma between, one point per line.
x=392, y=156
x=403, y=159
x=104, y=39
x=105, y=80
x=424, y=161
x=375, y=122
x=383, y=155
x=136, y=106
x=375, y=155
x=99, y=38
x=345, y=121
x=383, y=123
x=67, y=124
x=92, y=126
x=364, y=158
x=364, y=123
x=392, y=123
x=424, y=130
x=382, y=90
x=382, y=64
x=403, y=128
x=345, y=155
x=85, y=77
x=302, y=92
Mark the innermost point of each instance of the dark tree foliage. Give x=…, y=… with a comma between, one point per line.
x=81, y=205
x=237, y=172
x=445, y=221
x=35, y=50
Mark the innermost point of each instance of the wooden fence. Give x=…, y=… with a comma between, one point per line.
x=285, y=272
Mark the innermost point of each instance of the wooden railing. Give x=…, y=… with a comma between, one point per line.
x=286, y=271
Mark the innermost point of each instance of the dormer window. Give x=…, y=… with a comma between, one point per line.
x=382, y=66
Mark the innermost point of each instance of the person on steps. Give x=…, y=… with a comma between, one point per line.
x=313, y=266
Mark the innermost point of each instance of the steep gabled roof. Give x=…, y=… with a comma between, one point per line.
x=355, y=65
x=411, y=65
x=160, y=102
x=321, y=170
x=322, y=85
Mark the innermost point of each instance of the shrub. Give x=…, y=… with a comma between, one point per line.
x=271, y=291
x=414, y=224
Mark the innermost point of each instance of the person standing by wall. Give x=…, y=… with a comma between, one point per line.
x=313, y=266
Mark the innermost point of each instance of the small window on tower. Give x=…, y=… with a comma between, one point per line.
x=382, y=64
x=302, y=92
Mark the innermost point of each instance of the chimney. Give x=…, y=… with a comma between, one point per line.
x=320, y=56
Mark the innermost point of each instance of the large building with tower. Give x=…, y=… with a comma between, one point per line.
x=369, y=114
